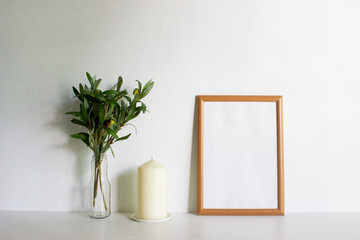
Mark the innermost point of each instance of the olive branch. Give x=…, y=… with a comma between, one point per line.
x=104, y=114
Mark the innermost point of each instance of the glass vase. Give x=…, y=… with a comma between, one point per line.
x=100, y=188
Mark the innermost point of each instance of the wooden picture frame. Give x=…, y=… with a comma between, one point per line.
x=210, y=111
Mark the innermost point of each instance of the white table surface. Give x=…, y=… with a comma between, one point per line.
x=74, y=225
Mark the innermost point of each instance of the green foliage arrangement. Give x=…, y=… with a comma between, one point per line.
x=105, y=113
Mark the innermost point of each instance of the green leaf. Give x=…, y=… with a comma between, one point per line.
x=128, y=98
x=121, y=94
x=123, y=104
x=71, y=113
x=132, y=108
x=84, y=113
x=83, y=137
x=117, y=111
x=81, y=88
x=143, y=107
x=119, y=83
x=76, y=92
x=130, y=113
x=91, y=81
x=137, y=112
x=148, y=83
x=99, y=97
x=147, y=88
x=135, y=100
x=111, y=132
x=139, y=85
x=101, y=115
x=109, y=92
x=97, y=83
x=112, y=152
x=112, y=101
x=123, y=110
x=123, y=138
x=77, y=121
x=91, y=98
x=104, y=149
x=86, y=104
x=111, y=109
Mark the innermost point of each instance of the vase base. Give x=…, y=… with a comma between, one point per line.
x=135, y=218
x=99, y=216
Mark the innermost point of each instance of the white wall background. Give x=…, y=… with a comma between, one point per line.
x=307, y=51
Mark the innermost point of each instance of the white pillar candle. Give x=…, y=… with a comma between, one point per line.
x=151, y=191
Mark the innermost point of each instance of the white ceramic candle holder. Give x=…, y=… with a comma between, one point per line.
x=135, y=218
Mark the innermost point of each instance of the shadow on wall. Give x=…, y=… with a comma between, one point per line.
x=193, y=174
x=126, y=191
x=78, y=197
